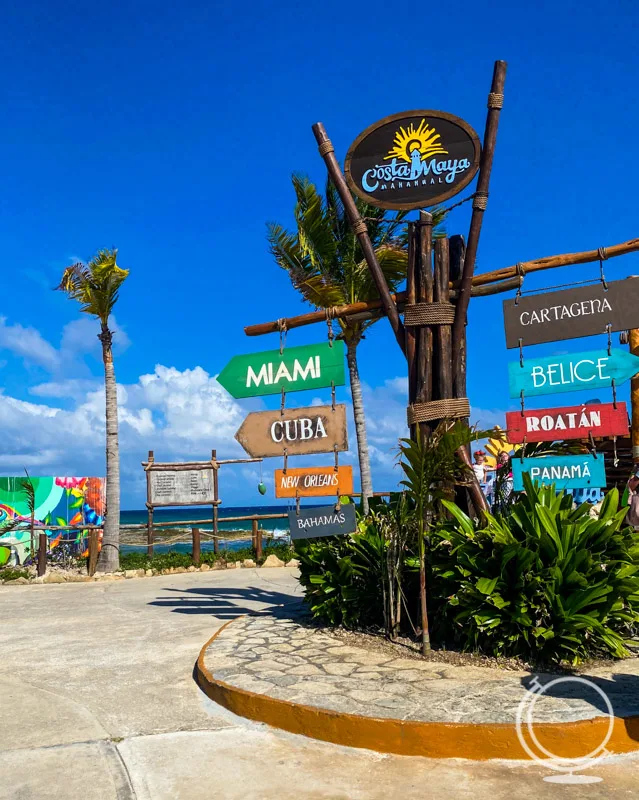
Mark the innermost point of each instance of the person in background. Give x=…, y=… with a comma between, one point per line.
x=480, y=466
x=484, y=474
x=632, y=517
x=503, y=482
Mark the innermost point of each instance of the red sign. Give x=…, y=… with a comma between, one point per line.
x=573, y=422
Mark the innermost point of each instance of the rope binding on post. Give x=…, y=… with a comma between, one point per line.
x=495, y=100
x=438, y=409
x=326, y=147
x=480, y=200
x=429, y=314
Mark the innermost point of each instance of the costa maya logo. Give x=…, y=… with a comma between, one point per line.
x=413, y=160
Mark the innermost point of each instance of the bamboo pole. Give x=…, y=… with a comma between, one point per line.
x=551, y=262
x=424, y=385
x=216, y=501
x=43, y=543
x=359, y=229
x=411, y=337
x=93, y=553
x=149, y=523
x=495, y=101
x=443, y=342
x=457, y=248
x=196, y=549
x=424, y=294
x=505, y=279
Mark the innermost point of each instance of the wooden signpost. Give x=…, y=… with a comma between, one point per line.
x=181, y=487
x=413, y=159
x=312, y=366
x=187, y=483
x=298, y=431
x=309, y=523
x=566, y=472
x=571, y=422
x=313, y=481
x=572, y=313
x=573, y=372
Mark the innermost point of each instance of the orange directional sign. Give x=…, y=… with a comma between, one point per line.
x=313, y=481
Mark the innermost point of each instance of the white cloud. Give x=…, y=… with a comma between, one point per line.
x=181, y=415
x=28, y=344
x=73, y=387
x=80, y=337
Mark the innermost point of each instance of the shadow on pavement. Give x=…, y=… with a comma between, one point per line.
x=229, y=603
x=622, y=690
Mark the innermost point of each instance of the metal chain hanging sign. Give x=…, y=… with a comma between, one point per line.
x=413, y=159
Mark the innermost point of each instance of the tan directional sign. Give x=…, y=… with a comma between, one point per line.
x=572, y=313
x=313, y=481
x=299, y=431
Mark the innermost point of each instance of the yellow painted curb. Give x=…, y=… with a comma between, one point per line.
x=475, y=741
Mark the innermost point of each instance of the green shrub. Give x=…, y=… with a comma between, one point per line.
x=12, y=574
x=176, y=559
x=346, y=578
x=546, y=582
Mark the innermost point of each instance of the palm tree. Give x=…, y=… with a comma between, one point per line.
x=326, y=265
x=96, y=287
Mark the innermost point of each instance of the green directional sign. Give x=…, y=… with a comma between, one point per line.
x=311, y=366
x=594, y=369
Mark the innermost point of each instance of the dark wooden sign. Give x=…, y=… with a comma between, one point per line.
x=308, y=523
x=571, y=313
x=299, y=431
x=571, y=422
x=313, y=481
x=413, y=159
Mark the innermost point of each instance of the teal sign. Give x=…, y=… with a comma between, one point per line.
x=311, y=366
x=594, y=369
x=566, y=472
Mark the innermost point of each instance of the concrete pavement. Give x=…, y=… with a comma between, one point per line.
x=98, y=701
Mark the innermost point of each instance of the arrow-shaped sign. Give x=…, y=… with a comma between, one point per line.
x=594, y=369
x=299, y=431
x=566, y=472
x=311, y=366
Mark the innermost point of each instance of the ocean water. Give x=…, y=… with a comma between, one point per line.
x=276, y=528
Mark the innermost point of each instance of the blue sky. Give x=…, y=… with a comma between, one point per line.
x=170, y=131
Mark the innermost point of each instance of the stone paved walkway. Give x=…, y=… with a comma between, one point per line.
x=289, y=660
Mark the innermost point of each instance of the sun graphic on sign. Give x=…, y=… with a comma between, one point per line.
x=423, y=139
x=497, y=445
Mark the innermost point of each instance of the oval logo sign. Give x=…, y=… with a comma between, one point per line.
x=414, y=159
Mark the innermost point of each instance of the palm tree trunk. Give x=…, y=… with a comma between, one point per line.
x=109, y=559
x=360, y=424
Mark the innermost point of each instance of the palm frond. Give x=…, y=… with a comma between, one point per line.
x=95, y=285
x=28, y=489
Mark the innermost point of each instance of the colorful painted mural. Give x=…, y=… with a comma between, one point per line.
x=58, y=501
